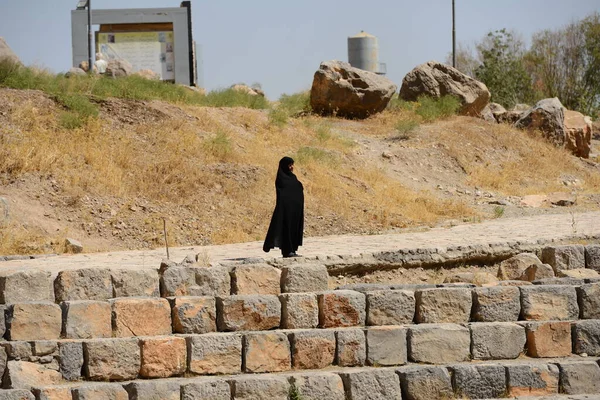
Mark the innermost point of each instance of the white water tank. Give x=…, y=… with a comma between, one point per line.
x=363, y=53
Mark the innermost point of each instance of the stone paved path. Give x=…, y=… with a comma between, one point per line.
x=531, y=228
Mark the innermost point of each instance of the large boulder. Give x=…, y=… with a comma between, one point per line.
x=596, y=129
x=118, y=68
x=578, y=130
x=435, y=79
x=548, y=116
x=513, y=115
x=338, y=88
x=6, y=54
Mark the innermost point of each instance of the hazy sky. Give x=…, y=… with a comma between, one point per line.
x=280, y=43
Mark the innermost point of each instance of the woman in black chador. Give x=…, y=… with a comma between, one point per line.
x=287, y=223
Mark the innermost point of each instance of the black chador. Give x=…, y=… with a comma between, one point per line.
x=287, y=223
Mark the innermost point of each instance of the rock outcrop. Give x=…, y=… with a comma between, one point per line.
x=240, y=87
x=578, y=131
x=6, y=53
x=548, y=116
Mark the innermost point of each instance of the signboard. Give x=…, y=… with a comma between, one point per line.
x=143, y=50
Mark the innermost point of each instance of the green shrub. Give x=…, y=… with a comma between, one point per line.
x=278, y=117
x=235, y=98
x=296, y=103
x=307, y=154
x=71, y=120
x=399, y=104
x=219, y=146
x=431, y=108
x=405, y=127
x=323, y=132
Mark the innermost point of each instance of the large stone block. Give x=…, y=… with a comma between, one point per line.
x=18, y=350
x=86, y=319
x=514, y=267
x=27, y=375
x=565, y=257
x=386, y=345
x=341, y=308
x=304, y=278
x=479, y=381
x=26, y=286
x=497, y=340
x=373, y=383
x=581, y=377
x=589, y=301
x=532, y=380
x=16, y=394
x=154, y=390
x=135, y=282
x=256, y=279
x=3, y=360
x=351, y=347
x=319, y=386
x=496, y=304
x=206, y=389
x=549, y=339
x=215, y=353
x=267, y=352
x=195, y=281
x=425, y=383
x=34, y=321
x=299, y=310
x=194, y=314
x=71, y=360
x=53, y=393
x=549, y=302
x=266, y=387
x=112, y=359
x=586, y=337
x=135, y=316
x=443, y=305
x=312, y=349
x=163, y=357
x=83, y=284
x=592, y=257
x=100, y=391
x=439, y=343
x=248, y=313
x=390, y=307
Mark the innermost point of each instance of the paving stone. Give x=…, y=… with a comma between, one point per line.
x=154, y=390
x=16, y=394
x=256, y=279
x=439, y=343
x=24, y=286
x=425, y=383
x=266, y=387
x=215, y=353
x=195, y=281
x=112, y=359
x=313, y=348
x=549, y=302
x=299, y=310
x=482, y=381
x=163, y=357
x=206, y=389
x=586, y=337
x=100, y=391
x=582, y=377
x=549, y=339
x=373, y=383
x=267, y=352
x=53, y=393
x=86, y=319
x=497, y=340
x=514, y=267
x=248, y=313
x=443, y=305
x=71, y=360
x=18, y=350
x=592, y=257
x=565, y=257
x=27, y=375
x=351, y=348
x=135, y=282
x=496, y=304
x=589, y=301
x=532, y=379
x=390, y=307
x=319, y=386
x=34, y=321
x=194, y=314
x=386, y=345
x=341, y=308
x=137, y=316
x=304, y=278
x=83, y=284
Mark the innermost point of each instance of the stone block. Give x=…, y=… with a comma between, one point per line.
x=299, y=310
x=592, y=257
x=439, y=343
x=549, y=302
x=194, y=314
x=248, y=313
x=3, y=312
x=589, y=301
x=206, y=389
x=341, y=308
x=86, y=319
x=100, y=391
x=267, y=352
x=27, y=375
x=497, y=340
x=538, y=271
x=163, y=357
x=319, y=386
x=443, y=305
x=532, y=380
x=390, y=307
x=580, y=273
x=25, y=286
x=215, y=353
x=374, y=383
x=386, y=345
x=195, y=281
x=256, y=279
x=136, y=316
x=112, y=359
x=496, y=304
x=18, y=350
x=168, y=389
x=565, y=257
x=312, y=349
x=135, y=282
x=16, y=394
x=481, y=381
x=560, y=281
x=425, y=383
x=582, y=377
x=304, y=278
x=3, y=361
x=83, y=284
x=34, y=321
x=514, y=267
x=586, y=337
x=267, y=387
x=351, y=348
x=45, y=347
x=71, y=360
x=53, y=393
x=549, y=339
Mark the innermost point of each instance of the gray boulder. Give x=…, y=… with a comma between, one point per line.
x=548, y=116
x=118, y=68
x=74, y=72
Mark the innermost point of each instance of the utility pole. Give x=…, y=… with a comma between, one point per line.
x=453, y=37
x=90, y=65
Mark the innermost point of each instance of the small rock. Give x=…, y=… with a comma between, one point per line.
x=73, y=246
